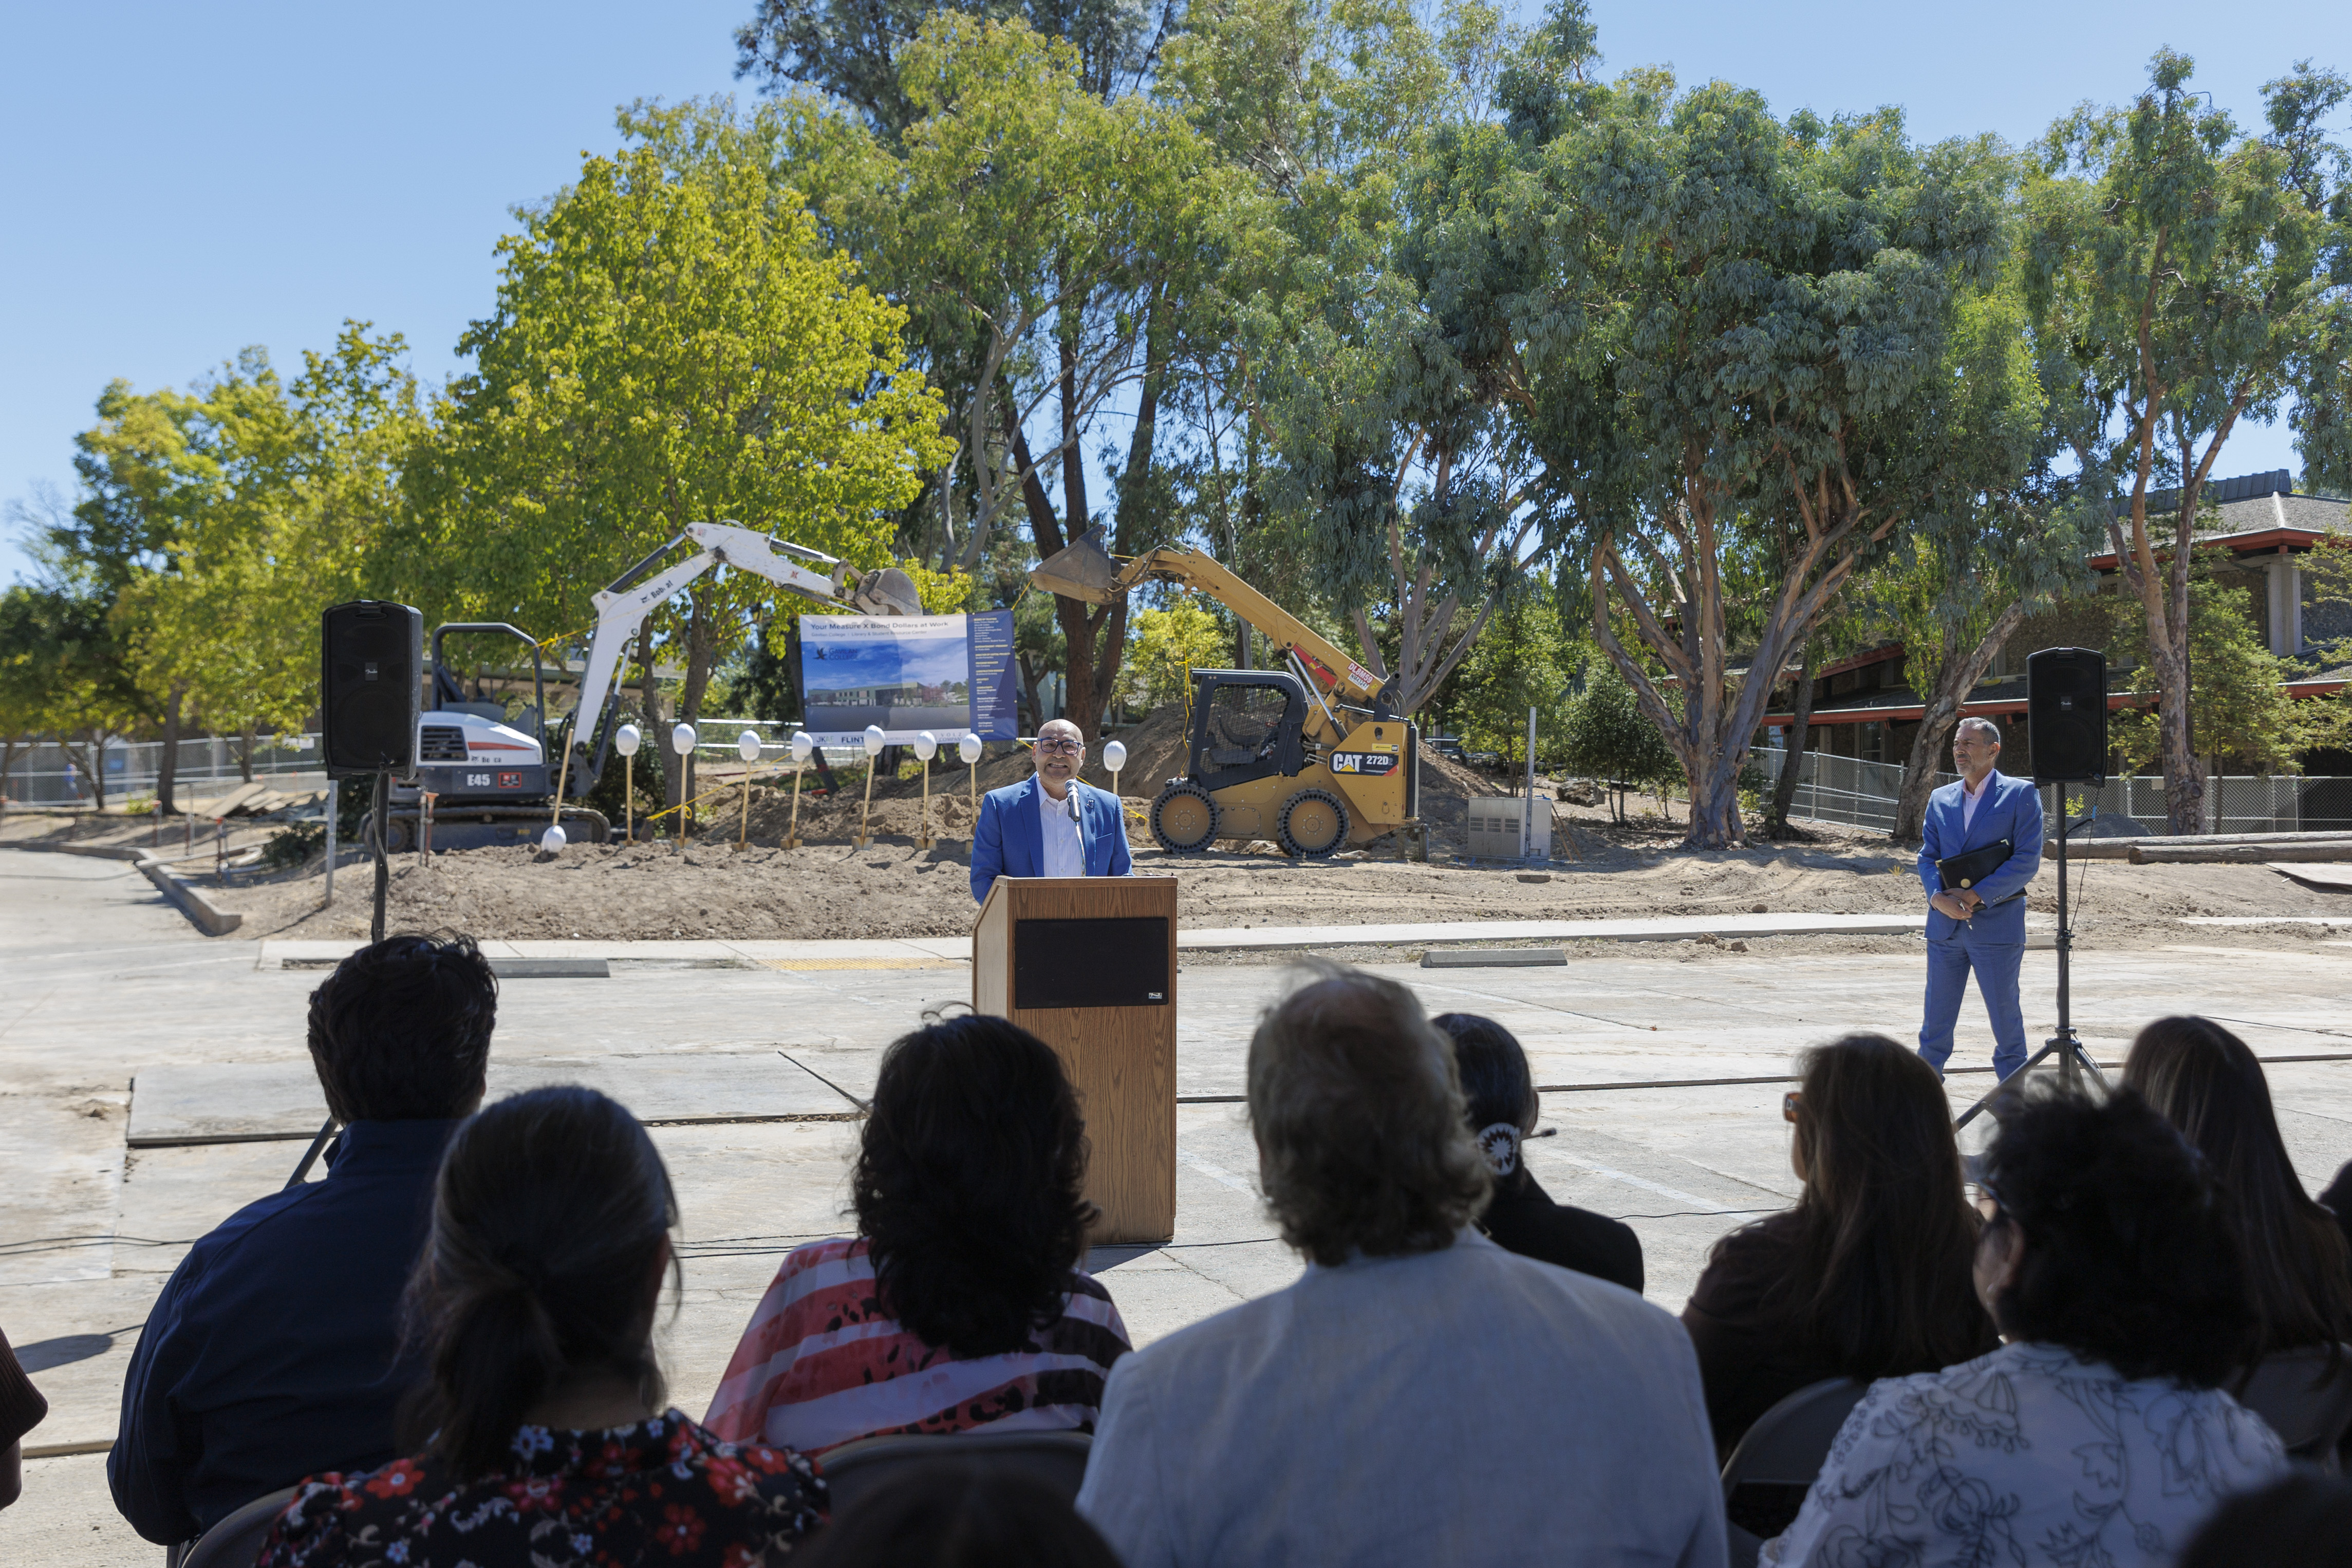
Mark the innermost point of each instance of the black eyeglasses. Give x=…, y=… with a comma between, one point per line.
x=1061, y=748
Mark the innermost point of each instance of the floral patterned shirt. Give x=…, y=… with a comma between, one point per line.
x=663, y=1491
x=2024, y=1458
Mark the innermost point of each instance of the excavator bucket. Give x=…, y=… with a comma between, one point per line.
x=1083, y=571
x=888, y=591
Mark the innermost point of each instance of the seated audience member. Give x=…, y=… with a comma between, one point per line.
x=1419, y=1395
x=949, y=1513
x=1868, y=1275
x=21, y=1409
x=2303, y=1521
x=272, y=1353
x=2203, y=1079
x=539, y=1439
x=1522, y=1216
x=2098, y=1432
x=960, y=1302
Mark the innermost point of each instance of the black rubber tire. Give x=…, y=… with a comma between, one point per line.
x=1196, y=813
x=1307, y=808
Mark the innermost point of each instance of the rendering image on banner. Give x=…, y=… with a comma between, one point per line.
x=903, y=673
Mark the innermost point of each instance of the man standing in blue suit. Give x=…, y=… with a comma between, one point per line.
x=1055, y=825
x=1979, y=928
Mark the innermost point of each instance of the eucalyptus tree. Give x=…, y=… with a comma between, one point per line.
x=1734, y=337
x=2198, y=276
x=1359, y=349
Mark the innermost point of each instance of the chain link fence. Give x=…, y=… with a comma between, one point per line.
x=46, y=774
x=1862, y=793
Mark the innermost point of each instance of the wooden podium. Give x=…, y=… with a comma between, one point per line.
x=1087, y=965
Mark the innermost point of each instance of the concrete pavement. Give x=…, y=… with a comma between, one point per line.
x=129, y=1044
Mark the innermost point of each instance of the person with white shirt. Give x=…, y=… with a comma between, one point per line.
x=1419, y=1395
x=1055, y=824
x=1980, y=928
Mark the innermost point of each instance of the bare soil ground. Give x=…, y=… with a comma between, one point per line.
x=893, y=888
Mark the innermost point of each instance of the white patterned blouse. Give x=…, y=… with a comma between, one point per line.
x=2023, y=1458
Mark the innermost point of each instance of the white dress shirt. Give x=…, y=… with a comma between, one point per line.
x=1971, y=799
x=1065, y=852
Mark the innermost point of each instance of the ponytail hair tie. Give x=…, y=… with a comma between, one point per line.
x=1500, y=1144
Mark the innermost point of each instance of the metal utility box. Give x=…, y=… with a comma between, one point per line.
x=1495, y=827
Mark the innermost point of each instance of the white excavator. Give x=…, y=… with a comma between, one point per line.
x=493, y=775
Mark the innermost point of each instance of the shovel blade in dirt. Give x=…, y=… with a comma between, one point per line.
x=1083, y=571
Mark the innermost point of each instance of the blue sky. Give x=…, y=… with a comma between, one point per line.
x=183, y=181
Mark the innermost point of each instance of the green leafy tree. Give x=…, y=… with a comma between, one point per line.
x=1527, y=658
x=1164, y=647
x=2240, y=708
x=2000, y=539
x=1610, y=736
x=856, y=51
x=671, y=344
x=2197, y=276
x=1739, y=325
x=1362, y=315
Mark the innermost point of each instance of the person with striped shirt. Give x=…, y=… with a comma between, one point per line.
x=959, y=1303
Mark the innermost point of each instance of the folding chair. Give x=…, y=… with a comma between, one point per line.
x=237, y=1540
x=2309, y=1409
x=1767, y=1477
x=1057, y=1458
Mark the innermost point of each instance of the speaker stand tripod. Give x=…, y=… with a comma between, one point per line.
x=2066, y=1044
x=378, y=810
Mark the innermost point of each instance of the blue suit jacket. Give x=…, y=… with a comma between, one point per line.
x=1009, y=843
x=2014, y=813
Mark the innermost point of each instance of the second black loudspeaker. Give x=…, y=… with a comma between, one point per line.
x=372, y=659
x=2066, y=714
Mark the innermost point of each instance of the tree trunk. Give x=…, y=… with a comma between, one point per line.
x=1784, y=788
x=167, y=761
x=246, y=740
x=94, y=755
x=1940, y=715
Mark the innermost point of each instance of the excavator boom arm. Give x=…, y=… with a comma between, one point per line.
x=621, y=607
x=1087, y=573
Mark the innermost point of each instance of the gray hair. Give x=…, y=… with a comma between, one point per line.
x=1991, y=731
x=1362, y=1138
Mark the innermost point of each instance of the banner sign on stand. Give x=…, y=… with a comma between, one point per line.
x=948, y=674
x=995, y=707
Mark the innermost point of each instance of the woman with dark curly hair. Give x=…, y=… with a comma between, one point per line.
x=2099, y=1432
x=2204, y=1081
x=1868, y=1275
x=960, y=1302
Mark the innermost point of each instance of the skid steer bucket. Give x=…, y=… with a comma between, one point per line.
x=1083, y=571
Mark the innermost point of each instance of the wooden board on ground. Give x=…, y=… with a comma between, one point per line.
x=2336, y=879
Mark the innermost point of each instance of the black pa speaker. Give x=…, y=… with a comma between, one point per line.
x=2066, y=714
x=372, y=665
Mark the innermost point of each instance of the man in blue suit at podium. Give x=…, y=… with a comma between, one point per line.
x=1978, y=929
x=1054, y=824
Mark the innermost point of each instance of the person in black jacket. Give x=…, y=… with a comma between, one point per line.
x=274, y=1349
x=1522, y=1218
x=1870, y=1275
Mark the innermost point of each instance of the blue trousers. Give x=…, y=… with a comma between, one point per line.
x=1995, y=964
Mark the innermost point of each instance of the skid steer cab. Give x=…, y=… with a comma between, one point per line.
x=1252, y=772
